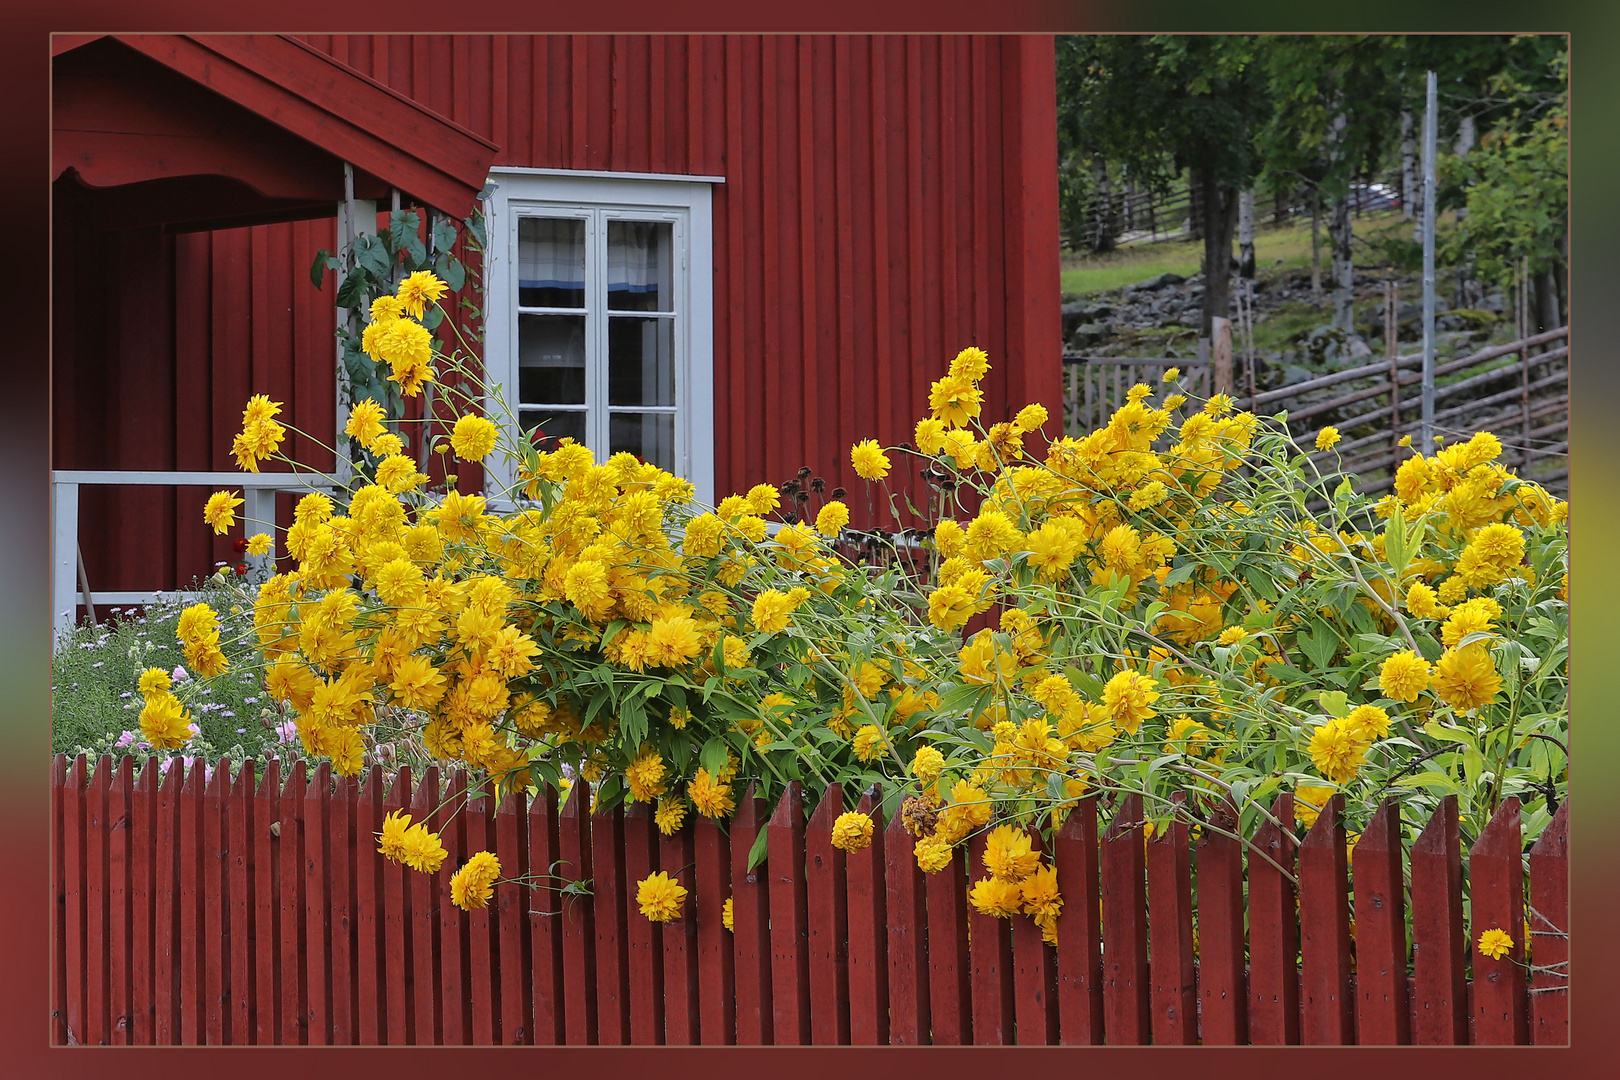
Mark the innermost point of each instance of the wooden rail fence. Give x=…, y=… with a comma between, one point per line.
x=195, y=906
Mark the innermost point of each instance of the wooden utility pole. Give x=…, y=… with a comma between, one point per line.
x=1221, y=331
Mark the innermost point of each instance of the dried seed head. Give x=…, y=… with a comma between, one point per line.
x=920, y=815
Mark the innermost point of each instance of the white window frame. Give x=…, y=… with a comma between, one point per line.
x=686, y=202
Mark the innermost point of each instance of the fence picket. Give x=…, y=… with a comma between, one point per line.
x=905, y=924
x=608, y=897
x=482, y=1005
x=238, y=820
x=143, y=807
x=372, y=951
x=1549, y=933
x=1383, y=1010
x=394, y=947
x=166, y=955
x=293, y=977
x=211, y=861
x=511, y=905
x=1079, y=949
x=643, y=942
x=75, y=826
x=544, y=905
x=1328, y=1011
x=950, y=986
x=95, y=875
x=339, y=883
x=1496, y=872
x=681, y=993
x=1223, y=992
x=266, y=886
x=191, y=899
x=423, y=988
x=59, y=994
x=454, y=991
x=1169, y=883
x=990, y=947
x=1127, y=1009
x=1273, y=931
x=1440, y=1016
x=1034, y=978
x=118, y=914
x=717, y=991
x=318, y=907
x=750, y=919
x=868, y=961
x=578, y=919
x=827, y=941
x=789, y=934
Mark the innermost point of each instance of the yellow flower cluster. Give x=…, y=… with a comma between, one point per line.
x=660, y=897
x=410, y=845
x=164, y=721
x=1017, y=882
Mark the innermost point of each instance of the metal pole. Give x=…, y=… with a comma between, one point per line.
x=1430, y=132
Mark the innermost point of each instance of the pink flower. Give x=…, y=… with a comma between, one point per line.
x=179, y=674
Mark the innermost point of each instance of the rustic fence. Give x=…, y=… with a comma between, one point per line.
x=1518, y=390
x=198, y=907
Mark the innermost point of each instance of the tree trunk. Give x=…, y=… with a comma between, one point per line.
x=1316, y=244
x=1339, y=232
x=1102, y=207
x=1279, y=209
x=1196, y=205
x=1409, y=165
x=1220, y=221
x=1547, y=314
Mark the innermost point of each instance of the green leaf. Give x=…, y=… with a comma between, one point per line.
x=324, y=261
x=444, y=235
x=1438, y=781
x=1320, y=646
x=1396, y=549
x=756, y=854
x=1335, y=703
x=713, y=756
x=1179, y=574
x=451, y=270
x=352, y=292
x=370, y=253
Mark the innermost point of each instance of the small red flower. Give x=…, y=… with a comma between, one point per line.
x=241, y=569
x=241, y=543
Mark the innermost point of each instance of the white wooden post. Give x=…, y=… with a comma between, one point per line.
x=64, y=552
x=259, y=515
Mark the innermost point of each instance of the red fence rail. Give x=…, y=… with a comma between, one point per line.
x=198, y=908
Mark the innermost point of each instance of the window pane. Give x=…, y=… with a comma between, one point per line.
x=551, y=359
x=554, y=425
x=551, y=262
x=640, y=274
x=641, y=361
x=649, y=436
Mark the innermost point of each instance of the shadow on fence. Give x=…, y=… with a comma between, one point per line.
x=198, y=908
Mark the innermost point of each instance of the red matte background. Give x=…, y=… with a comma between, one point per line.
x=24, y=644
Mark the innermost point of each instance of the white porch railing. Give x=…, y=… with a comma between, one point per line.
x=258, y=511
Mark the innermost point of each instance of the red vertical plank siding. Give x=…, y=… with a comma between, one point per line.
x=480, y=940
x=612, y=971
x=950, y=985
x=292, y=977
x=454, y=992
x=680, y=940
x=1549, y=933
x=1324, y=931
x=869, y=931
x=1034, y=339
x=578, y=919
x=545, y=907
x=1383, y=1008
x=716, y=959
x=423, y=989
x=1273, y=931
x=905, y=938
x=59, y=907
x=511, y=905
x=266, y=916
x=750, y=920
x=239, y=1005
x=643, y=943
x=395, y=928
x=789, y=932
x=191, y=892
x=166, y=917
x=1222, y=973
x=827, y=924
x=1127, y=1005
x=1496, y=895
x=1169, y=874
x=95, y=939
x=118, y=913
x=318, y=906
x=1080, y=985
x=1439, y=946
x=369, y=920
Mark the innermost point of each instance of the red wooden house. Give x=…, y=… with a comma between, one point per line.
x=731, y=255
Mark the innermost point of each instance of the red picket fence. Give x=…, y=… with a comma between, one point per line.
x=197, y=908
